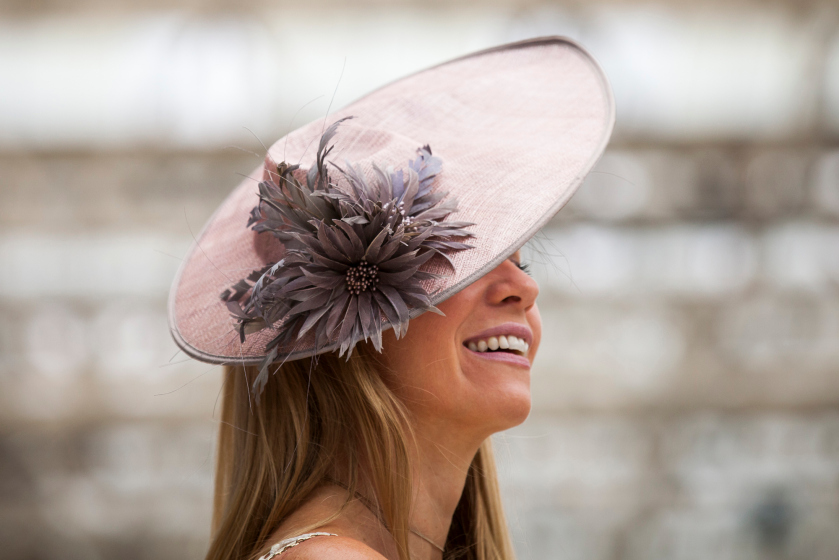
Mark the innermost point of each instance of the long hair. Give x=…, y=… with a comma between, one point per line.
x=311, y=415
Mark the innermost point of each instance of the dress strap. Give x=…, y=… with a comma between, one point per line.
x=285, y=544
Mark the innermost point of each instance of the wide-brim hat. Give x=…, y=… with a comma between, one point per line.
x=517, y=128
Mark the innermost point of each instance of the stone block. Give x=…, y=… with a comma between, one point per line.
x=801, y=256
x=67, y=362
x=133, y=82
x=694, y=261
x=661, y=184
x=89, y=266
x=687, y=486
x=675, y=174
x=605, y=356
x=785, y=335
x=100, y=488
x=562, y=534
x=729, y=459
x=751, y=486
x=583, y=259
x=776, y=183
x=575, y=462
x=831, y=87
x=56, y=342
x=701, y=74
x=118, y=193
x=825, y=184
x=619, y=188
x=716, y=191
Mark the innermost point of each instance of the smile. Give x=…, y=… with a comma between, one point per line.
x=508, y=343
x=503, y=343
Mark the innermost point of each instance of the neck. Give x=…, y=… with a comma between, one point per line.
x=441, y=464
x=440, y=467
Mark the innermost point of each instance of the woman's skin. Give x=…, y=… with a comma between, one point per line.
x=456, y=399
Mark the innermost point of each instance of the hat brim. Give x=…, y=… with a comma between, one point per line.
x=518, y=127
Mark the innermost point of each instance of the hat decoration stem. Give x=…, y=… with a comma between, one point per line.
x=353, y=257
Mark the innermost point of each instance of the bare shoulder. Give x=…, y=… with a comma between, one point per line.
x=331, y=548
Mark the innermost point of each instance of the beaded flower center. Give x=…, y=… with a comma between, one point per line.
x=362, y=277
x=405, y=218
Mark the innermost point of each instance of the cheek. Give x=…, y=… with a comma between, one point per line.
x=431, y=343
x=423, y=361
x=534, y=319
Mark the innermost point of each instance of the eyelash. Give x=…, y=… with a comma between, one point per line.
x=524, y=267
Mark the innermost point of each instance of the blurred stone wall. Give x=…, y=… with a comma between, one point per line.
x=685, y=393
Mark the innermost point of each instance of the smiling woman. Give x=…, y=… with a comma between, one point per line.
x=343, y=433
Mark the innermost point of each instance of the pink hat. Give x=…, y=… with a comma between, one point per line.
x=434, y=180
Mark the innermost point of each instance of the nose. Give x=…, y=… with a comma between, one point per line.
x=510, y=285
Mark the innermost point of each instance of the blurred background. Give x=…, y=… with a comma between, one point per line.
x=685, y=397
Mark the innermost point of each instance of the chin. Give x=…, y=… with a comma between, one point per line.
x=501, y=396
x=513, y=408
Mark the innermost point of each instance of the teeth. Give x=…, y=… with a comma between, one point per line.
x=517, y=344
x=503, y=342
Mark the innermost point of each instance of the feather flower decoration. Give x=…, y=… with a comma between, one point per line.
x=353, y=256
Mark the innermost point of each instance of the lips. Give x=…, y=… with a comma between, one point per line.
x=508, y=343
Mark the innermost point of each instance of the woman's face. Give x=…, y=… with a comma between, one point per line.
x=454, y=371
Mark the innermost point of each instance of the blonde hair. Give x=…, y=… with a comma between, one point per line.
x=273, y=454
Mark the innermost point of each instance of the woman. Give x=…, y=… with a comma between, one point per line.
x=344, y=434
